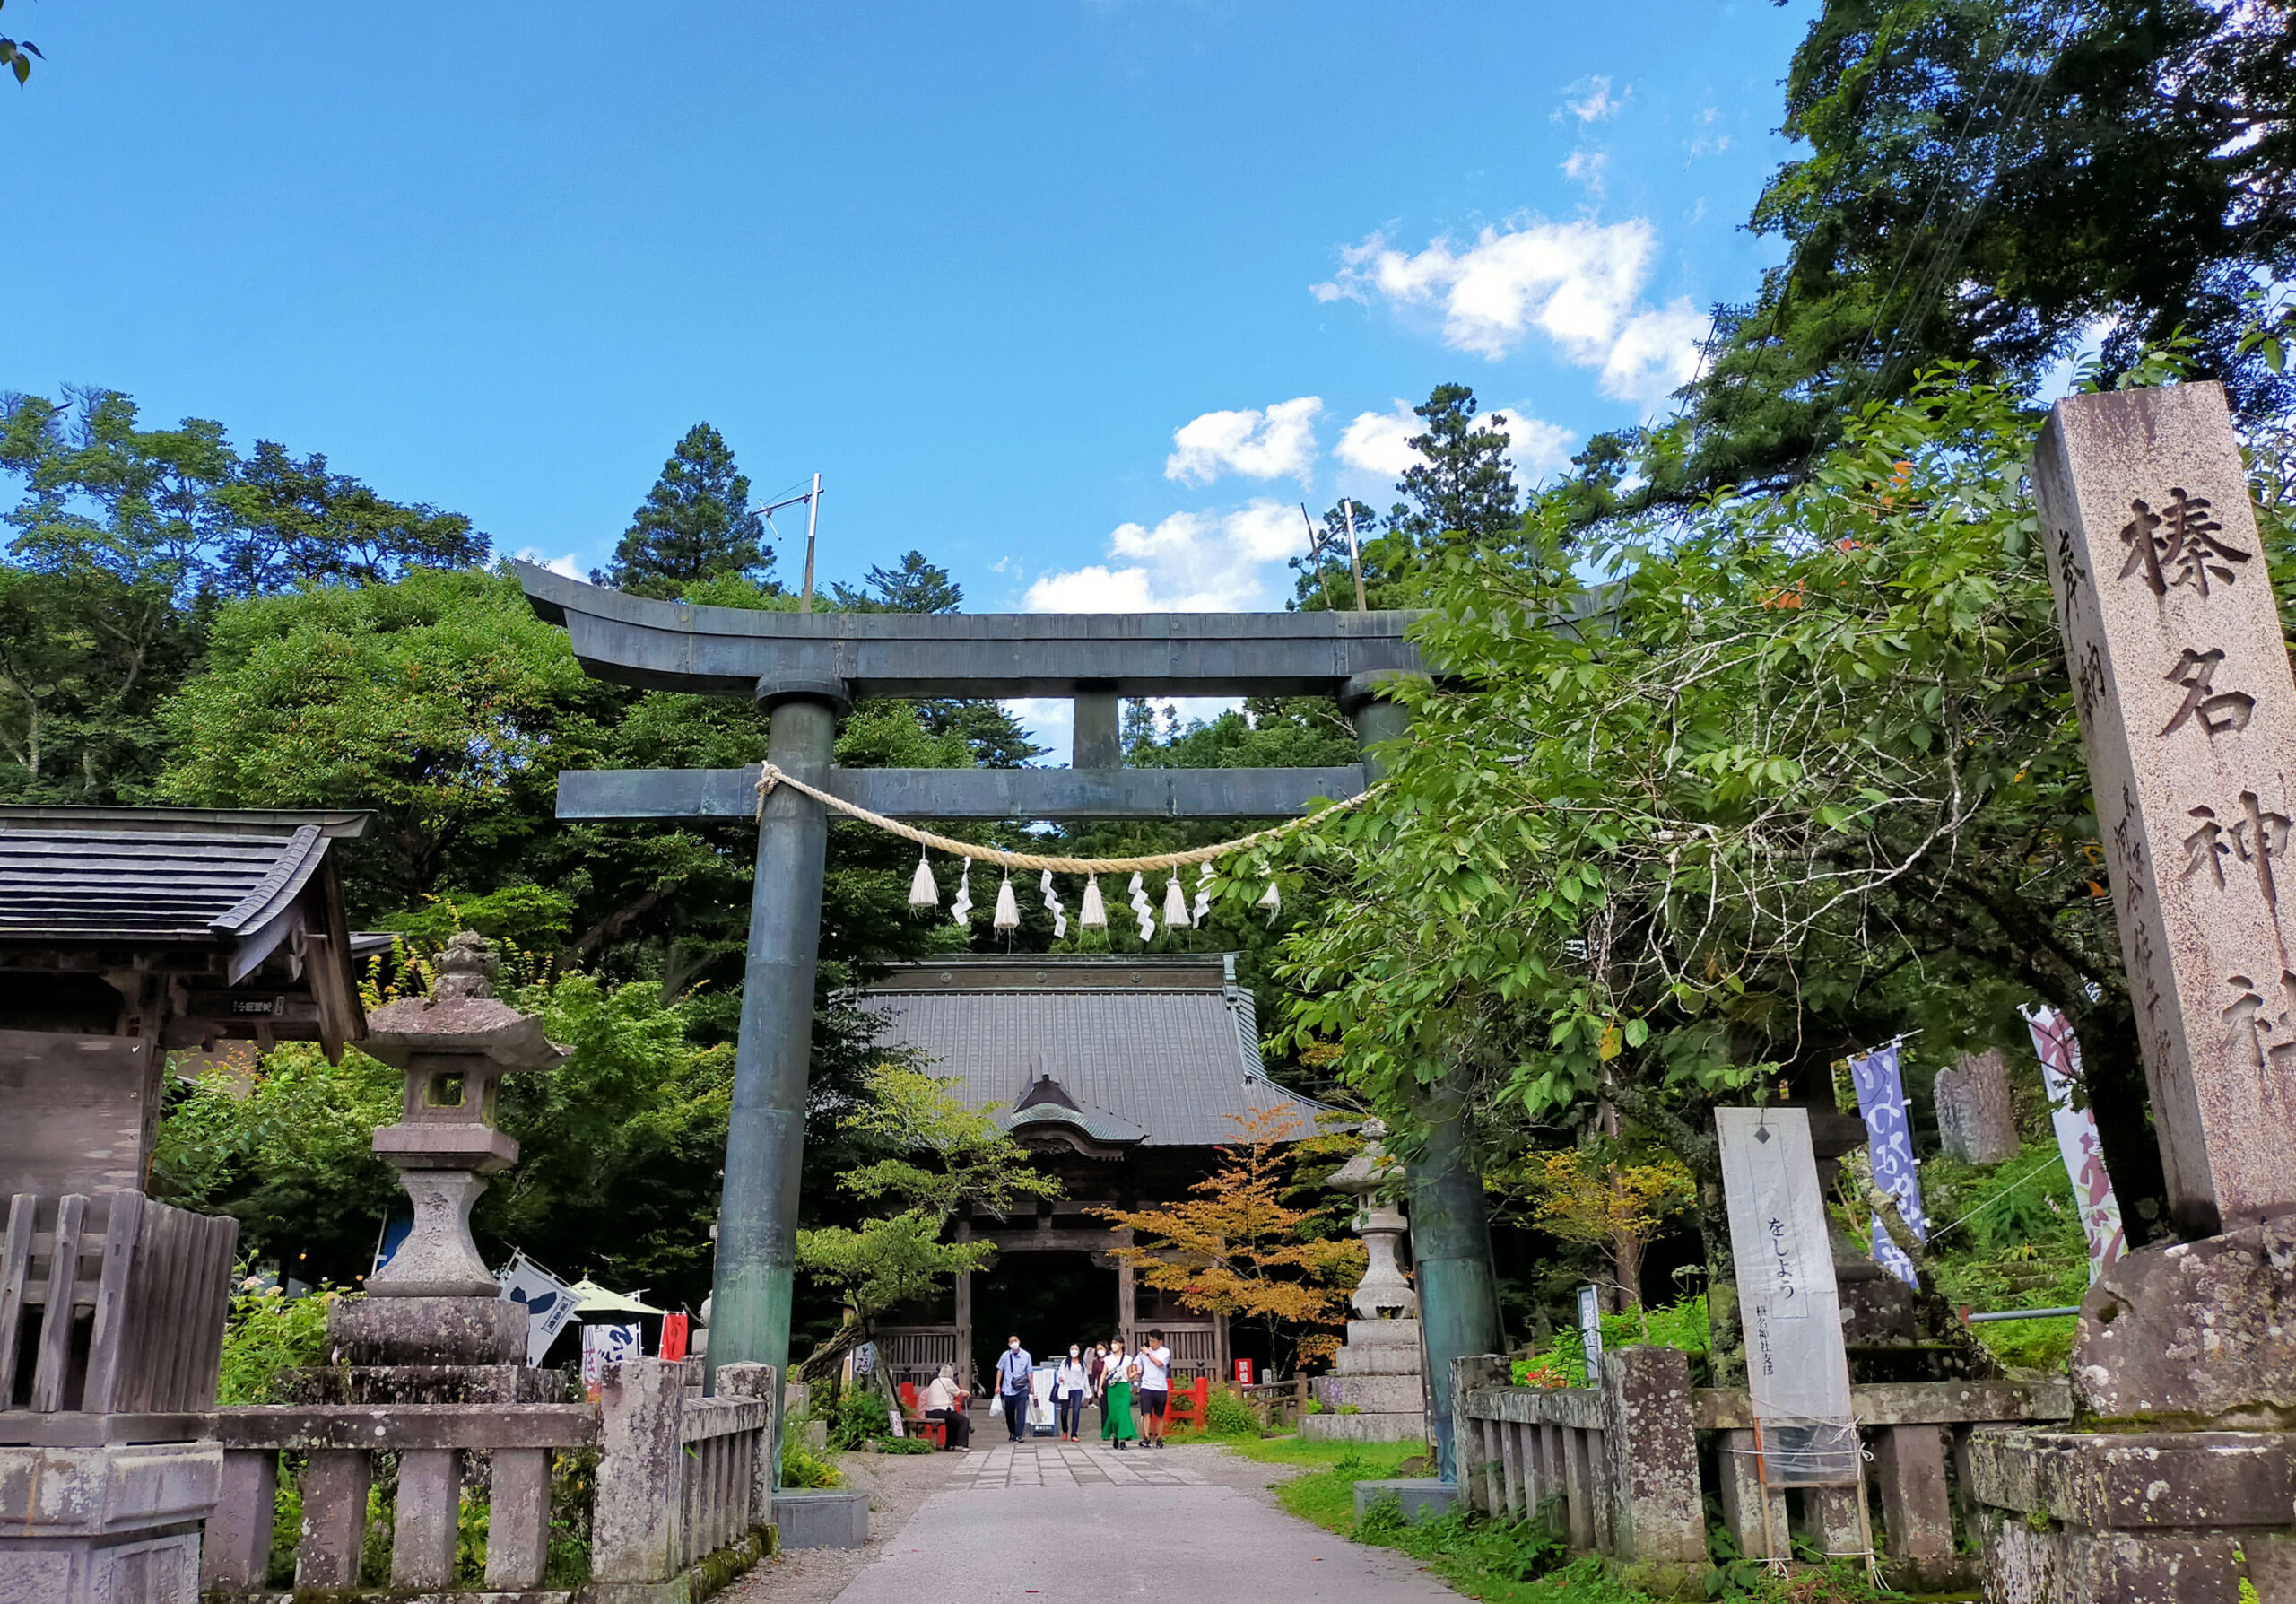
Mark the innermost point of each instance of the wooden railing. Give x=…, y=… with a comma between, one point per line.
x=681, y=1479
x=1617, y=1468
x=109, y=1307
x=915, y=1353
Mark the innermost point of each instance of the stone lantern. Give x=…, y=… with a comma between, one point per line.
x=1383, y=1293
x=1380, y=1375
x=435, y=1302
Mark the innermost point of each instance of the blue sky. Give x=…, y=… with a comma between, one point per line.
x=1080, y=298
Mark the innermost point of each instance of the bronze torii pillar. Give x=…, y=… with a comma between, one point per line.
x=804, y=669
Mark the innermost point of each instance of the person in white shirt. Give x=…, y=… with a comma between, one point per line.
x=1154, y=1365
x=945, y=1401
x=1071, y=1385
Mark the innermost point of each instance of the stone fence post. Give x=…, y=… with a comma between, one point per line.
x=1475, y=1443
x=751, y=1380
x=1652, y=1444
x=636, y=1526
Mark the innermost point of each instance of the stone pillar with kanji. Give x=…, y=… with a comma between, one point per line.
x=2184, y=1365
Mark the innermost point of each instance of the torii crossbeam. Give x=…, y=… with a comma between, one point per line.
x=804, y=670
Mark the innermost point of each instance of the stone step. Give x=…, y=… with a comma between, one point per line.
x=1383, y=1333
x=1380, y=1394
x=1364, y=1428
x=1377, y=1361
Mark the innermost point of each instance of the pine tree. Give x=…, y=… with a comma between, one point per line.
x=1462, y=488
x=697, y=524
x=916, y=585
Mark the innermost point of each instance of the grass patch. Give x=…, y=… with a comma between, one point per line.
x=1500, y=1562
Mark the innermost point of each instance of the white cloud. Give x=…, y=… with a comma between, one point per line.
x=1380, y=442
x=1594, y=103
x=1585, y=167
x=1655, y=354
x=1190, y=562
x=1577, y=283
x=1261, y=445
x=565, y=566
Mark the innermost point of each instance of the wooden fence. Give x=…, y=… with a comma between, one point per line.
x=1623, y=1469
x=111, y=1307
x=681, y=1480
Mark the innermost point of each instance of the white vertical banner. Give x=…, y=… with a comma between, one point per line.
x=2059, y=1052
x=1796, y=1368
x=549, y=1303
x=1590, y=1332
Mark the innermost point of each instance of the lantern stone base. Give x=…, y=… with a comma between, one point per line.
x=116, y=1525
x=1378, y=1377
x=456, y=1330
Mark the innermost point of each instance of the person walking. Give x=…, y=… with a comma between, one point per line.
x=1071, y=1385
x=1116, y=1397
x=1153, y=1367
x=1013, y=1368
x=945, y=1401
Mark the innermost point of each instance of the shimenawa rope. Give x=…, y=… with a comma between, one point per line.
x=770, y=776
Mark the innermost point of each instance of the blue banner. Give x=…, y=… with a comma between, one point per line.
x=1889, y=1144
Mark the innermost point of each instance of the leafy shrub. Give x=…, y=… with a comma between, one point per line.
x=1227, y=1415
x=801, y=1466
x=862, y=1416
x=1681, y=1325
x=270, y=1333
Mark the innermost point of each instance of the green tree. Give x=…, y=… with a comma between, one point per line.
x=1993, y=179
x=1814, y=777
x=916, y=585
x=299, y=523
x=439, y=700
x=697, y=524
x=1462, y=488
x=620, y=1148
x=933, y=1156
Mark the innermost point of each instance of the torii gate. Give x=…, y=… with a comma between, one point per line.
x=804, y=669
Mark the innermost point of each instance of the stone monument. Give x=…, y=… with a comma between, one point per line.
x=433, y=1327
x=1380, y=1376
x=2183, y=1363
x=1976, y=1121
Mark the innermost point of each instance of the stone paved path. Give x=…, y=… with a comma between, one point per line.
x=1076, y=1523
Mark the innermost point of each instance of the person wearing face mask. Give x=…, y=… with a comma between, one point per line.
x=1013, y=1368
x=1070, y=1385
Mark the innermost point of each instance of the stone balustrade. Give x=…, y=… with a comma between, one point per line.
x=681, y=1502
x=1622, y=1469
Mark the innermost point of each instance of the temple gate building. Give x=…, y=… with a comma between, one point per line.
x=1123, y=1075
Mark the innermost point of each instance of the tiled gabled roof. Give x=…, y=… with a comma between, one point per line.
x=1166, y=1046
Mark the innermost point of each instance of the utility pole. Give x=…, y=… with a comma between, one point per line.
x=1354, y=557
x=812, y=522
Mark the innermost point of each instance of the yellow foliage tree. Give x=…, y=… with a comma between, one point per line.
x=1583, y=1194
x=1238, y=1248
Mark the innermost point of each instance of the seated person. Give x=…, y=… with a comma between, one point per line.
x=946, y=1401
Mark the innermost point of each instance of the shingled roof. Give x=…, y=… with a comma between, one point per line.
x=1157, y=1050
x=120, y=886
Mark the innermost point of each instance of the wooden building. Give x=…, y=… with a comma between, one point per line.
x=1122, y=1076
x=130, y=933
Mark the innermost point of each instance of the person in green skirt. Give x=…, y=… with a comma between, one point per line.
x=1116, y=1397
